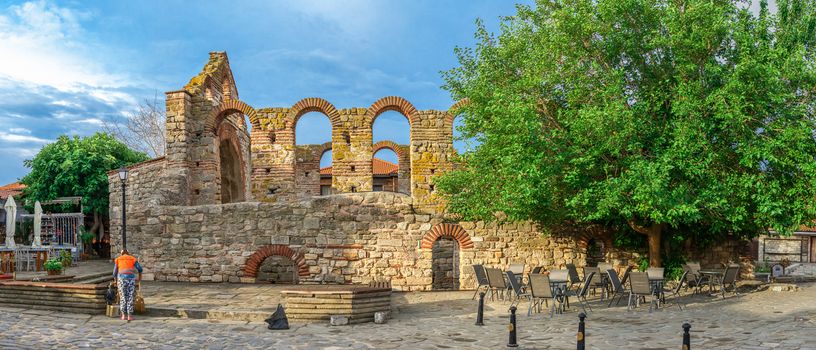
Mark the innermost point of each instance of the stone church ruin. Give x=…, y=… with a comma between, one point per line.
x=232, y=202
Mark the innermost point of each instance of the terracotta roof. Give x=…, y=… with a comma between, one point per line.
x=11, y=190
x=381, y=167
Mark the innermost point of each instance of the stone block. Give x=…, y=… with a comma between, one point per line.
x=381, y=317
x=338, y=320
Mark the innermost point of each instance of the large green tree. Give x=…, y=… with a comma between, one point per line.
x=660, y=114
x=74, y=166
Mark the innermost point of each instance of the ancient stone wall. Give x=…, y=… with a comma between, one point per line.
x=182, y=232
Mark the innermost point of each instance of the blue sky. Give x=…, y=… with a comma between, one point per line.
x=65, y=67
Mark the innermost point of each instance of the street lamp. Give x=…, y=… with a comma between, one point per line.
x=123, y=175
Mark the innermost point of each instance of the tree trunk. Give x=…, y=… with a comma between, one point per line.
x=95, y=227
x=653, y=233
x=654, y=247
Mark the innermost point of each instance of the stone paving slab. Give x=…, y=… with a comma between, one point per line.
x=445, y=320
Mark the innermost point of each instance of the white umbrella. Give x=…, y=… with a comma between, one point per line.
x=11, y=218
x=37, y=224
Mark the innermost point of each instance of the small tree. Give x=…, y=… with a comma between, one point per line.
x=656, y=113
x=74, y=166
x=144, y=129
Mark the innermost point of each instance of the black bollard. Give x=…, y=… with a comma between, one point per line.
x=480, y=312
x=511, y=343
x=686, y=336
x=581, y=333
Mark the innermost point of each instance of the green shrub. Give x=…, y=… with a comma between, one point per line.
x=53, y=265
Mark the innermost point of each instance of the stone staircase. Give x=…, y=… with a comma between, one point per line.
x=62, y=297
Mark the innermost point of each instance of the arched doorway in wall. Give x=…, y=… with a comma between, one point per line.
x=277, y=269
x=313, y=136
x=233, y=137
x=445, y=263
x=594, y=252
x=445, y=241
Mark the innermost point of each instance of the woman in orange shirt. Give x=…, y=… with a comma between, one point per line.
x=125, y=270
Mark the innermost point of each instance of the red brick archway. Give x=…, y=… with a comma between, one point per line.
x=447, y=230
x=392, y=103
x=226, y=108
x=255, y=260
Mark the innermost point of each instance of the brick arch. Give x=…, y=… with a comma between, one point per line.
x=256, y=259
x=392, y=103
x=325, y=148
x=447, y=230
x=226, y=108
x=453, y=112
x=312, y=104
x=593, y=232
x=389, y=145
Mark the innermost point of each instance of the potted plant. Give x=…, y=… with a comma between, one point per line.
x=53, y=266
x=762, y=271
x=66, y=258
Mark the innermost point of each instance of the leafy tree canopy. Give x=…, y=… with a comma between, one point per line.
x=78, y=167
x=660, y=114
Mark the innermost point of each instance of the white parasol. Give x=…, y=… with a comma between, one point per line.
x=37, y=224
x=11, y=218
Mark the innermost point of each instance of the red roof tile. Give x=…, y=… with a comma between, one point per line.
x=381, y=167
x=11, y=190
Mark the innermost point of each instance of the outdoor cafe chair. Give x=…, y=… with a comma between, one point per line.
x=574, y=279
x=675, y=292
x=495, y=279
x=729, y=279
x=640, y=288
x=592, y=277
x=581, y=293
x=696, y=279
x=603, y=266
x=516, y=288
x=481, y=280
x=626, y=275
x=540, y=290
x=516, y=269
x=617, y=287
x=536, y=270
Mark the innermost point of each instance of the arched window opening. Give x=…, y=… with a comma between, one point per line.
x=385, y=167
x=313, y=131
x=391, y=134
x=326, y=173
x=391, y=126
x=445, y=264
x=277, y=269
x=233, y=141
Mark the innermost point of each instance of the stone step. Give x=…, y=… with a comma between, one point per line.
x=48, y=294
x=67, y=309
x=334, y=311
x=295, y=300
x=100, y=291
x=52, y=302
x=93, y=278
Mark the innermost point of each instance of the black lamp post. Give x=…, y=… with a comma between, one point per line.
x=123, y=175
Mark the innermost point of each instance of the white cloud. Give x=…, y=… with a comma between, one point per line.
x=44, y=44
x=92, y=121
x=357, y=18
x=17, y=138
x=20, y=131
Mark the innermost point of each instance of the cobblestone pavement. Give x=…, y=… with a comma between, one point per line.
x=445, y=320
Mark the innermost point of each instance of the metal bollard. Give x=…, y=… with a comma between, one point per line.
x=480, y=312
x=511, y=343
x=581, y=333
x=686, y=336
